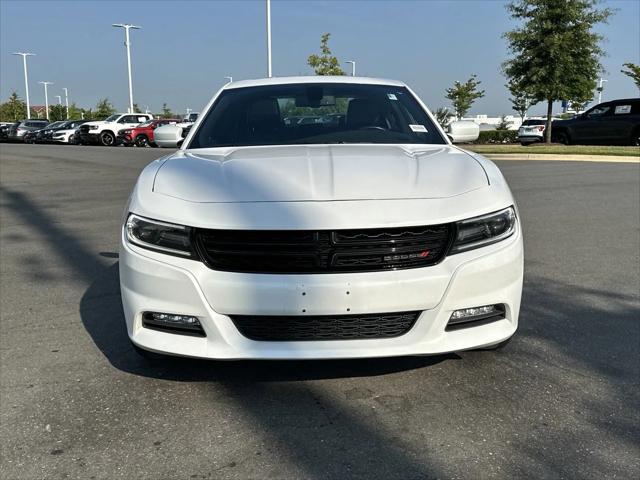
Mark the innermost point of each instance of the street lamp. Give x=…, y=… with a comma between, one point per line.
x=66, y=100
x=59, y=97
x=46, y=97
x=230, y=79
x=600, y=89
x=269, y=38
x=26, y=78
x=353, y=67
x=127, y=43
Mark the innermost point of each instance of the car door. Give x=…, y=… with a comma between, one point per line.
x=620, y=121
x=587, y=128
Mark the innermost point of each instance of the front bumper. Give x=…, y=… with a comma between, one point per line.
x=124, y=139
x=152, y=281
x=89, y=138
x=530, y=138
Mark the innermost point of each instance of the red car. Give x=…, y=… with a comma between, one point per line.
x=142, y=135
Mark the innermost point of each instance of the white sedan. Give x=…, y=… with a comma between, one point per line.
x=67, y=134
x=371, y=236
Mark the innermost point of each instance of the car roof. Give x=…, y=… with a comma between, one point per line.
x=623, y=100
x=312, y=79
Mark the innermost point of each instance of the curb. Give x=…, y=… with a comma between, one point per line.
x=563, y=158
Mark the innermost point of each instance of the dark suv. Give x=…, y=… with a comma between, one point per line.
x=611, y=123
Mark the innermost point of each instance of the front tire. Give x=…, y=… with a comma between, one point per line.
x=142, y=141
x=563, y=138
x=108, y=139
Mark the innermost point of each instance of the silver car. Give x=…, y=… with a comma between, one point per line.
x=18, y=130
x=531, y=131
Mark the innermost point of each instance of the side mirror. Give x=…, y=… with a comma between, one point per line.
x=463, y=131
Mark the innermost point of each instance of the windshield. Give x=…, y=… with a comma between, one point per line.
x=112, y=118
x=315, y=114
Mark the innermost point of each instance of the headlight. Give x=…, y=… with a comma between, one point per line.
x=93, y=127
x=159, y=236
x=484, y=230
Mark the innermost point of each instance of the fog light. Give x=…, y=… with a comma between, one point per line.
x=173, y=323
x=473, y=317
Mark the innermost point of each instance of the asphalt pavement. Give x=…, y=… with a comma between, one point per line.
x=560, y=401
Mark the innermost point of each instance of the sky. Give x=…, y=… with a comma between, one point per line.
x=186, y=48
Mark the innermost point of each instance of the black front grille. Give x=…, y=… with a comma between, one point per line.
x=326, y=327
x=324, y=251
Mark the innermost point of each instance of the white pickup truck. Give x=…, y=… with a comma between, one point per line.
x=105, y=132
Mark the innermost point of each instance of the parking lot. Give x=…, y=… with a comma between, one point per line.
x=560, y=401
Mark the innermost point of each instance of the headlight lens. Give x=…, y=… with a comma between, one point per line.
x=160, y=236
x=93, y=127
x=484, y=230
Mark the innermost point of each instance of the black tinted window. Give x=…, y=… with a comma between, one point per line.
x=315, y=114
x=534, y=122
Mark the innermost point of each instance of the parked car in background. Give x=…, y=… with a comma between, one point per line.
x=170, y=136
x=18, y=130
x=372, y=237
x=531, y=131
x=44, y=134
x=4, y=131
x=616, y=122
x=142, y=135
x=67, y=132
x=106, y=131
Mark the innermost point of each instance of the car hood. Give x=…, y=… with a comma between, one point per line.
x=319, y=173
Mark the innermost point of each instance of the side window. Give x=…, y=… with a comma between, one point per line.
x=622, y=109
x=598, y=111
x=123, y=119
x=141, y=119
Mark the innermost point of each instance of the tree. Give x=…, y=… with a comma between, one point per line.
x=503, y=125
x=521, y=100
x=12, y=110
x=136, y=108
x=463, y=95
x=443, y=116
x=57, y=112
x=633, y=71
x=166, y=111
x=325, y=63
x=554, y=50
x=104, y=108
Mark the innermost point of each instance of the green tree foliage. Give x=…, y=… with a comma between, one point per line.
x=166, y=111
x=57, y=112
x=633, y=71
x=104, y=108
x=503, y=125
x=443, y=116
x=521, y=99
x=325, y=63
x=13, y=110
x=554, y=50
x=463, y=95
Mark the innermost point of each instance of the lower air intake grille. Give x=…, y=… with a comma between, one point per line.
x=326, y=327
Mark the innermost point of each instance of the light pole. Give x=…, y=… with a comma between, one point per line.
x=127, y=43
x=46, y=97
x=59, y=97
x=229, y=79
x=66, y=101
x=600, y=89
x=269, y=38
x=26, y=77
x=353, y=67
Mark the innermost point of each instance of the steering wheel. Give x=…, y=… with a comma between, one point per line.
x=373, y=127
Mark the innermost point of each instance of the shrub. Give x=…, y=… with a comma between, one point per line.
x=497, y=136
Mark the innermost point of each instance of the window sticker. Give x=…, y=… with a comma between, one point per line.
x=392, y=96
x=622, y=109
x=418, y=128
